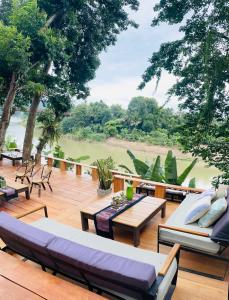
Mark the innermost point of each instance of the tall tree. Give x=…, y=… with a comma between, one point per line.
x=87, y=27
x=200, y=61
x=14, y=61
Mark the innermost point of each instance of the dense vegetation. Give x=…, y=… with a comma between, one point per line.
x=200, y=61
x=143, y=121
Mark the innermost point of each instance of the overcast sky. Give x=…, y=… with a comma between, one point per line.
x=122, y=65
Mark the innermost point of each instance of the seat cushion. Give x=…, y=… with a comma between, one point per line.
x=102, y=264
x=177, y=219
x=25, y=239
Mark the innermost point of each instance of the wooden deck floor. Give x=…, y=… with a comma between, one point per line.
x=71, y=193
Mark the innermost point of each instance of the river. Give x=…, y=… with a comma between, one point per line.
x=117, y=150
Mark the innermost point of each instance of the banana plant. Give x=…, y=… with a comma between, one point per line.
x=156, y=172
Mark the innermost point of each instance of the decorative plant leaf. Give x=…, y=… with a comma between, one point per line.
x=185, y=173
x=170, y=168
x=192, y=183
x=140, y=167
x=131, y=155
x=157, y=174
x=126, y=169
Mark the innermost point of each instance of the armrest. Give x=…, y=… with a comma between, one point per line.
x=34, y=210
x=185, y=230
x=172, y=254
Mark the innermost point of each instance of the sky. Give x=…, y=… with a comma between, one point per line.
x=122, y=65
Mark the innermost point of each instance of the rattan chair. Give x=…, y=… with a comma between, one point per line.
x=25, y=171
x=44, y=178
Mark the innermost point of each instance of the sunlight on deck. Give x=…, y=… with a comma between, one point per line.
x=71, y=193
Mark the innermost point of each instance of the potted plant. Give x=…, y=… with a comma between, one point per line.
x=105, y=177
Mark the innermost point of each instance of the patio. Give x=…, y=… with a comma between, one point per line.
x=71, y=193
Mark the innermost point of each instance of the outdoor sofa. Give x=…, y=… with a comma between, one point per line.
x=211, y=241
x=103, y=265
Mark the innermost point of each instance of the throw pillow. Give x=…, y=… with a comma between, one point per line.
x=198, y=209
x=220, y=193
x=211, y=193
x=216, y=211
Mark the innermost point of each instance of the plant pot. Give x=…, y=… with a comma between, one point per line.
x=104, y=192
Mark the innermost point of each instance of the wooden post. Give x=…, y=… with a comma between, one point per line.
x=160, y=191
x=63, y=165
x=78, y=170
x=94, y=174
x=118, y=184
x=50, y=161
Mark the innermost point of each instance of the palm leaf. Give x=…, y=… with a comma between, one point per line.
x=141, y=168
x=131, y=155
x=170, y=168
x=185, y=173
x=156, y=171
x=126, y=169
x=192, y=183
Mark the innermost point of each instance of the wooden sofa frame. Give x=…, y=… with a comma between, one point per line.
x=174, y=253
x=186, y=248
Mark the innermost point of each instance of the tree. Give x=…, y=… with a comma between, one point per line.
x=14, y=61
x=50, y=131
x=200, y=61
x=141, y=113
x=85, y=29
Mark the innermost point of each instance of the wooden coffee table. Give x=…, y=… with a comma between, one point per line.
x=133, y=219
x=19, y=187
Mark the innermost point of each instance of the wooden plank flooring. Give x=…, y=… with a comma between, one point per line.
x=71, y=193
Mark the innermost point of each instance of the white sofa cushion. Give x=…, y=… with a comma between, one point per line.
x=197, y=210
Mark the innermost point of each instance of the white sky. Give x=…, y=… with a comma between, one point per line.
x=122, y=65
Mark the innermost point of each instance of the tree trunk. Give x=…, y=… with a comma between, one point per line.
x=6, y=110
x=31, y=121
x=30, y=126
x=40, y=148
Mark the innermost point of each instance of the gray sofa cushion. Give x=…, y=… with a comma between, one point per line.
x=25, y=239
x=177, y=219
x=122, y=270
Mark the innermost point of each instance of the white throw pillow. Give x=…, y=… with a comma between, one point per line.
x=198, y=209
x=211, y=193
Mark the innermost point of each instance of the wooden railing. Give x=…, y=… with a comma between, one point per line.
x=160, y=188
x=79, y=167
x=119, y=178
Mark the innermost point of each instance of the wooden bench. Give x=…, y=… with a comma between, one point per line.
x=20, y=280
x=19, y=187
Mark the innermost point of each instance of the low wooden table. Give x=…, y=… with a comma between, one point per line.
x=13, y=155
x=133, y=219
x=19, y=187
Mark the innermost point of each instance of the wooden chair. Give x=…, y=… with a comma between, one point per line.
x=28, y=167
x=44, y=178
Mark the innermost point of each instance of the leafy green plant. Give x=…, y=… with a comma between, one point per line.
x=10, y=143
x=58, y=153
x=105, y=175
x=156, y=172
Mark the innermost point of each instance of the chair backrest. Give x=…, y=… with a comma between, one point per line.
x=29, y=167
x=46, y=172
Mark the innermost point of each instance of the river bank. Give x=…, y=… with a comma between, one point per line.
x=117, y=150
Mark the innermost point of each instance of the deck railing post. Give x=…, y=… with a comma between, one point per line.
x=94, y=174
x=118, y=184
x=63, y=165
x=160, y=191
x=50, y=161
x=78, y=170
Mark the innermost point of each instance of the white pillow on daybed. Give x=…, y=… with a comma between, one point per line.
x=198, y=209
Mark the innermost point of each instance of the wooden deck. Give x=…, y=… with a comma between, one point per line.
x=71, y=193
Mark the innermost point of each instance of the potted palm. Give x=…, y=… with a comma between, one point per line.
x=105, y=177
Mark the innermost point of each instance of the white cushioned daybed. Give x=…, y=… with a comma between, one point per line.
x=191, y=236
